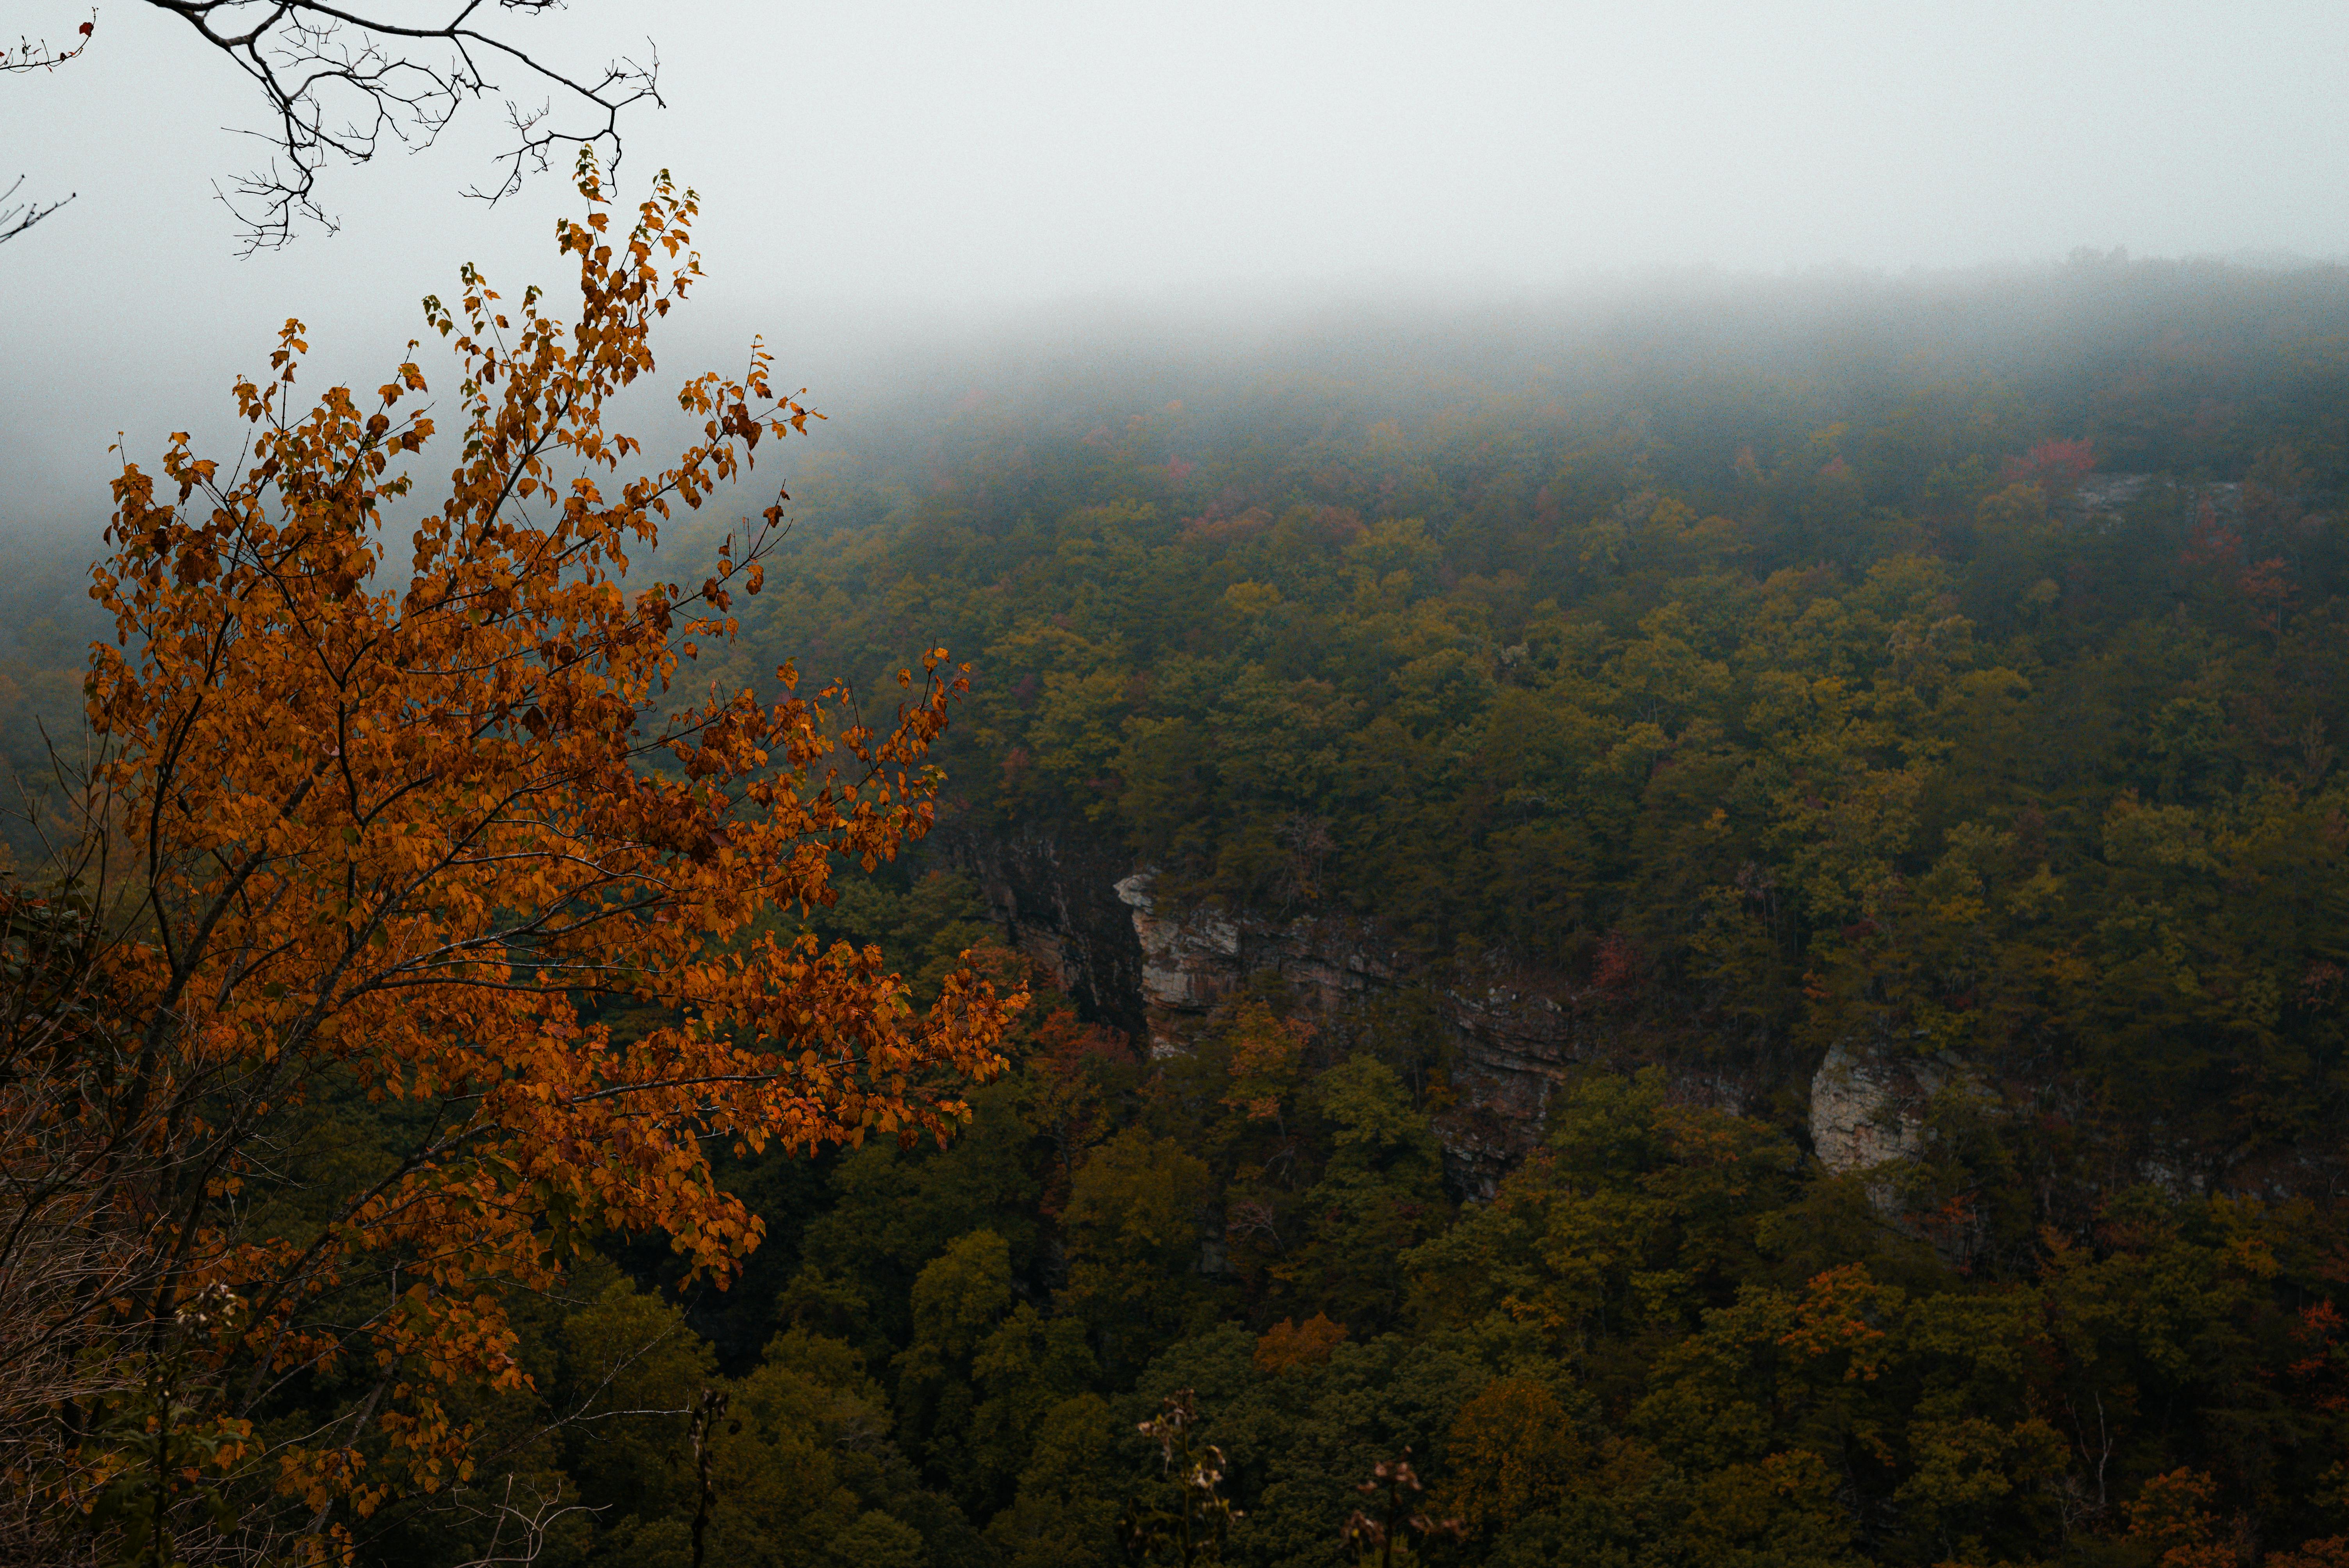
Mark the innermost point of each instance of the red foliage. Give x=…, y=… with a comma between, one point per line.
x=2267, y=587
x=1066, y=1045
x=1289, y=1345
x=1337, y=525
x=2056, y=467
x=1614, y=973
x=2209, y=543
x=1067, y=1100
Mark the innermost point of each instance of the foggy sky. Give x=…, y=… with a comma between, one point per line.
x=880, y=179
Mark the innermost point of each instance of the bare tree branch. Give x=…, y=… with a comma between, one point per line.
x=341, y=84
x=27, y=55
x=15, y=221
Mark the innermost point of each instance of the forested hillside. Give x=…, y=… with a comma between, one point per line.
x=1994, y=712
x=1970, y=696
x=1946, y=683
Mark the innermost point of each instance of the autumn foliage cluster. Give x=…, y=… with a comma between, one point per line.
x=390, y=816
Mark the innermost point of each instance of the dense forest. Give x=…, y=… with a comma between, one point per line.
x=1943, y=677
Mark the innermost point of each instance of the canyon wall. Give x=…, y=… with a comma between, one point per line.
x=1056, y=898
x=1158, y=973
x=1134, y=960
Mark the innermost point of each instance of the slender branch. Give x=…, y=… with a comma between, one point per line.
x=16, y=220
x=28, y=56
x=341, y=84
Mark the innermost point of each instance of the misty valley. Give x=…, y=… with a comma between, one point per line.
x=1705, y=928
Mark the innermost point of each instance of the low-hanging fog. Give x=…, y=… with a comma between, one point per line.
x=1073, y=203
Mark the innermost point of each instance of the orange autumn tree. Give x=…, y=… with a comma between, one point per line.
x=396, y=809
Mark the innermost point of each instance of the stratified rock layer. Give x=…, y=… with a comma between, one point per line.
x=1194, y=960
x=1158, y=973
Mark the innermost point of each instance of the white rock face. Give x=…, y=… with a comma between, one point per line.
x=1192, y=963
x=1187, y=965
x=1867, y=1108
x=1166, y=980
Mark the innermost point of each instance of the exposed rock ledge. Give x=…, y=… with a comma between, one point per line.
x=1192, y=963
x=1081, y=911
x=1868, y=1106
x=1158, y=974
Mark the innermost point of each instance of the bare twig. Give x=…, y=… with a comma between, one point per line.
x=15, y=221
x=27, y=55
x=339, y=83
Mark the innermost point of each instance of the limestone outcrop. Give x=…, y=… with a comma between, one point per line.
x=1866, y=1110
x=1194, y=960
x=1869, y=1104
x=1158, y=973
x=1131, y=959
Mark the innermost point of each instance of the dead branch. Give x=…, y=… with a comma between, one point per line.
x=15, y=221
x=27, y=55
x=342, y=84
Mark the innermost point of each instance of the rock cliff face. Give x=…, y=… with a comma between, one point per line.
x=1865, y=1110
x=1868, y=1106
x=2103, y=502
x=1510, y=1043
x=1056, y=898
x=1192, y=963
x=1082, y=913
